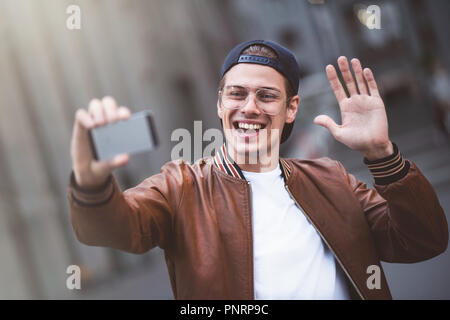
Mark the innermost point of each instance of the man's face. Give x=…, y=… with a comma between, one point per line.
x=244, y=142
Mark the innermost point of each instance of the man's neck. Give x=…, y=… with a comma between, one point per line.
x=257, y=167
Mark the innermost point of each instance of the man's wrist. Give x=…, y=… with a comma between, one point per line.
x=388, y=169
x=84, y=197
x=379, y=152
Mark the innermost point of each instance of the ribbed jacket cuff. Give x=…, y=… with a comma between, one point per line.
x=94, y=197
x=389, y=169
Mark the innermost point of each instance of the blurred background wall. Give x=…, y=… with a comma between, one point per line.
x=166, y=56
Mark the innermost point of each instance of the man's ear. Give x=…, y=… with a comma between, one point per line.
x=219, y=109
x=292, y=109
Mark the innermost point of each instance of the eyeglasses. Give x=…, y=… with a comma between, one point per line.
x=269, y=101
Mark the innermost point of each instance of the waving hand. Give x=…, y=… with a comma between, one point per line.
x=364, y=122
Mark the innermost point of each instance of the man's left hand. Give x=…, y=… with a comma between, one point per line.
x=364, y=122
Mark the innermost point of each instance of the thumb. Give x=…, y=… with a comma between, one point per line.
x=104, y=168
x=326, y=122
x=119, y=160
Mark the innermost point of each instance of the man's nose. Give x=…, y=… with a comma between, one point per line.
x=250, y=105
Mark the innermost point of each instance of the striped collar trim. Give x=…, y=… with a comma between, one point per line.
x=225, y=163
x=285, y=169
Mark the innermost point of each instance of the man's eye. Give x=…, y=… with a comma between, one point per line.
x=268, y=96
x=236, y=94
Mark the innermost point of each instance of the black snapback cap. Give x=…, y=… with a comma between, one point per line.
x=285, y=63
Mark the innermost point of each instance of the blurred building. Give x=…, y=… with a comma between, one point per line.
x=166, y=56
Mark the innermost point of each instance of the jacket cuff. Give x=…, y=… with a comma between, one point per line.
x=389, y=169
x=91, y=197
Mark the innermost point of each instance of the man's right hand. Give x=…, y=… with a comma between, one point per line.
x=89, y=173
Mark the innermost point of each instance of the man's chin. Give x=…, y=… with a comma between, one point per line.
x=246, y=148
x=244, y=152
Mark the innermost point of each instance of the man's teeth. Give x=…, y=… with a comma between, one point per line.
x=249, y=126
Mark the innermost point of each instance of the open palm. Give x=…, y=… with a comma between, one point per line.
x=364, y=122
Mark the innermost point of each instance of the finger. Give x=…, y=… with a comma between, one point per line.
x=95, y=109
x=357, y=69
x=347, y=75
x=371, y=83
x=83, y=119
x=335, y=83
x=123, y=113
x=110, y=109
x=327, y=122
x=120, y=160
x=79, y=150
x=83, y=122
x=104, y=168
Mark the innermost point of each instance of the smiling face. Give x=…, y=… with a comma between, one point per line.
x=249, y=130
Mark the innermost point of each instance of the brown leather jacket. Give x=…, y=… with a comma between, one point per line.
x=200, y=215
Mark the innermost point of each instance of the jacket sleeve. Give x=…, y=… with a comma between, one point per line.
x=407, y=222
x=135, y=220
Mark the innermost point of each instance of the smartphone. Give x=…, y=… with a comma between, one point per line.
x=135, y=135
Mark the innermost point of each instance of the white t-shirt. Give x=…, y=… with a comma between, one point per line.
x=291, y=261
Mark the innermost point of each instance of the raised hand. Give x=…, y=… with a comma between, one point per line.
x=364, y=122
x=88, y=172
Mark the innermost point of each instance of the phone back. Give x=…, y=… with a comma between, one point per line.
x=134, y=135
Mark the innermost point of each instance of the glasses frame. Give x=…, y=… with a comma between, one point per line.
x=255, y=92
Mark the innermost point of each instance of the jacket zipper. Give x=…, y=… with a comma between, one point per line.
x=252, y=289
x=323, y=238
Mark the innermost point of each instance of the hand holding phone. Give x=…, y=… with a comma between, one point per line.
x=131, y=136
x=90, y=173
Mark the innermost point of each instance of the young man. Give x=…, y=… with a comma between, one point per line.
x=246, y=224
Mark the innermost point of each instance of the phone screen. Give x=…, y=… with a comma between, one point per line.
x=134, y=135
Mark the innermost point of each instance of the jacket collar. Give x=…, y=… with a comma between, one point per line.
x=225, y=163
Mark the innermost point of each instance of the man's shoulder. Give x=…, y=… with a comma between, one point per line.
x=325, y=163
x=323, y=167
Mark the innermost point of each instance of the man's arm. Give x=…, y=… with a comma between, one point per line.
x=135, y=220
x=405, y=217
